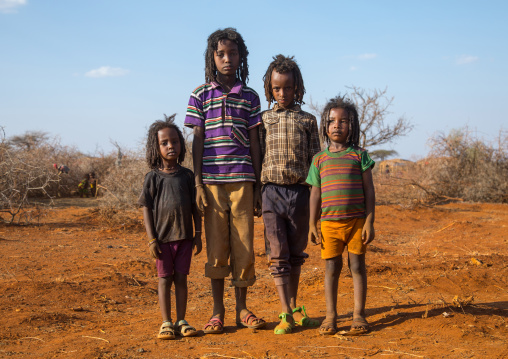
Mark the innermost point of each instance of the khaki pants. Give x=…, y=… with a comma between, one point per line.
x=229, y=228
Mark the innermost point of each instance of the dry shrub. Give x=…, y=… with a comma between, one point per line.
x=24, y=175
x=467, y=167
x=460, y=166
x=122, y=185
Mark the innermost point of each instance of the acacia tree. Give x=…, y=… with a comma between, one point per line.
x=373, y=111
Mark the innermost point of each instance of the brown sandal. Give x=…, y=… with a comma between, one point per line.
x=214, y=322
x=250, y=318
x=328, y=327
x=360, y=326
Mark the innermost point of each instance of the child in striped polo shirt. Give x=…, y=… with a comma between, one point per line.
x=342, y=189
x=224, y=114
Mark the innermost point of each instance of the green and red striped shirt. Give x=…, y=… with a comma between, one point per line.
x=339, y=175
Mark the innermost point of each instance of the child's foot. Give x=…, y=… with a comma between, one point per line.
x=328, y=327
x=286, y=324
x=184, y=329
x=247, y=319
x=360, y=326
x=167, y=331
x=215, y=325
x=302, y=319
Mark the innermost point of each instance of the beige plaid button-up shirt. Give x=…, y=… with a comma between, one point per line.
x=289, y=139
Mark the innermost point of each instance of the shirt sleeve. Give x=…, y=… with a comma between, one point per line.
x=315, y=145
x=195, y=115
x=146, y=196
x=367, y=162
x=255, y=113
x=314, y=177
x=262, y=139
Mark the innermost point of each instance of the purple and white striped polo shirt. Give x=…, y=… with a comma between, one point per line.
x=227, y=119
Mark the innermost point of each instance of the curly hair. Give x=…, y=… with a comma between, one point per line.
x=153, y=155
x=353, y=138
x=282, y=65
x=213, y=43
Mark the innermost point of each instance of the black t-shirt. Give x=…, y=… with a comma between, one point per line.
x=172, y=198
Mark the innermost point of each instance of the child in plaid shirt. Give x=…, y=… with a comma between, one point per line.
x=289, y=139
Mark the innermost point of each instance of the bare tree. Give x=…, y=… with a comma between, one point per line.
x=119, y=153
x=29, y=140
x=373, y=111
x=382, y=154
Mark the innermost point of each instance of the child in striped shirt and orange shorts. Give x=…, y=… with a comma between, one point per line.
x=343, y=191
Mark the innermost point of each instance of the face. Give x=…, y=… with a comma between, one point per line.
x=169, y=146
x=227, y=57
x=338, y=126
x=283, y=88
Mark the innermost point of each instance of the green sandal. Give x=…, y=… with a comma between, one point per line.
x=284, y=327
x=305, y=321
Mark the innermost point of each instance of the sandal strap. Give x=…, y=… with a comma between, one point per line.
x=213, y=322
x=167, y=324
x=283, y=316
x=301, y=309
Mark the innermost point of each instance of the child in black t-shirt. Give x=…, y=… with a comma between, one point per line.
x=169, y=210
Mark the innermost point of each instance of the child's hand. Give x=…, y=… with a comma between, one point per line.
x=201, y=198
x=368, y=232
x=313, y=234
x=197, y=244
x=258, y=203
x=155, y=249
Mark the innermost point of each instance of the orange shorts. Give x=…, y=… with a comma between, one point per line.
x=336, y=235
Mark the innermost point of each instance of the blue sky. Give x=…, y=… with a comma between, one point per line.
x=91, y=71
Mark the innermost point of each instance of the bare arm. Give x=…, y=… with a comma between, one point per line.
x=368, y=232
x=255, y=153
x=197, y=230
x=315, y=213
x=150, y=232
x=197, y=158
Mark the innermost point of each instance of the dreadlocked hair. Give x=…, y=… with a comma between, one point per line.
x=213, y=43
x=283, y=65
x=153, y=155
x=353, y=138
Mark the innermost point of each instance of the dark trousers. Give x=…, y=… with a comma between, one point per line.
x=286, y=218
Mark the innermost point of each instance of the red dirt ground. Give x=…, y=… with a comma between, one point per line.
x=71, y=288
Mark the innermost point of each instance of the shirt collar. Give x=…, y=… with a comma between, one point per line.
x=236, y=89
x=295, y=108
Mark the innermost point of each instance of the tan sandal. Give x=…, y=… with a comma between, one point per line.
x=167, y=331
x=184, y=329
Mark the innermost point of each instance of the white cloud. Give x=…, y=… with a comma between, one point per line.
x=466, y=59
x=353, y=68
x=107, y=71
x=367, y=56
x=11, y=6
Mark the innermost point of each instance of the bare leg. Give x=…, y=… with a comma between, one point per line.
x=218, y=298
x=180, y=295
x=294, y=281
x=359, y=273
x=283, y=290
x=165, y=297
x=333, y=268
